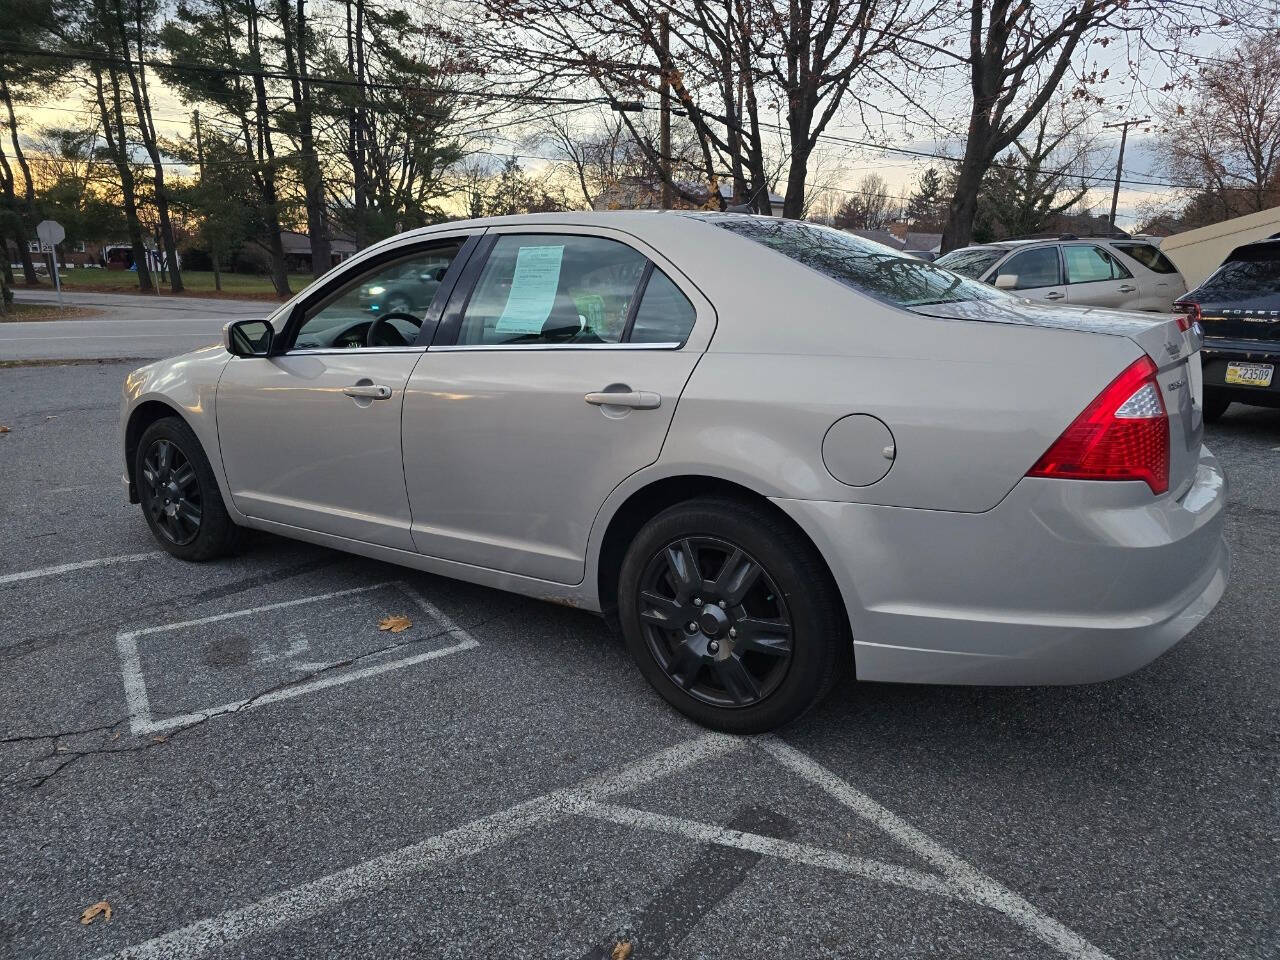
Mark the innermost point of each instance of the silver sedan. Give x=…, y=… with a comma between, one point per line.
x=768, y=451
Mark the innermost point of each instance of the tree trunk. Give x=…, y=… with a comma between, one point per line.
x=958, y=231
x=25, y=226
x=312, y=177
x=113, y=130
x=142, y=106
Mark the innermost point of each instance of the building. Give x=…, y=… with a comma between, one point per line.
x=1197, y=253
x=297, y=250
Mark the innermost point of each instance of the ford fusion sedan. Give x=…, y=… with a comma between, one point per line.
x=1127, y=273
x=768, y=451
x=1239, y=308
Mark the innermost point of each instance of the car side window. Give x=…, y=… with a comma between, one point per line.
x=1086, y=264
x=1037, y=267
x=552, y=289
x=665, y=315
x=399, y=292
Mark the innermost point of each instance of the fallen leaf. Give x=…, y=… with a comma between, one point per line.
x=3, y=428
x=159, y=739
x=621, y=950
x=99, y=909
x=396, y=624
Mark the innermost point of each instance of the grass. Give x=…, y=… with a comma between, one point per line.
x=196, y=283
x=24, y=312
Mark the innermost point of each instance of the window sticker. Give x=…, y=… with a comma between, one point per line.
x=533, y=290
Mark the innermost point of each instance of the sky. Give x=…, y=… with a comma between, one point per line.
x=844, y=164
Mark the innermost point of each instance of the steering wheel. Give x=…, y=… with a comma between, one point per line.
x=391, y=336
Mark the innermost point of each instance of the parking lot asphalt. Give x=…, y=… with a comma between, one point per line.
x=242, y=764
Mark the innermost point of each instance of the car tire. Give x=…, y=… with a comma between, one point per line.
x=1215, y=405
x=398, y=303
x=791, y=602
x=182, y=505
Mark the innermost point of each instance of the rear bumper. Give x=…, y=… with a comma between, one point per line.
x=1063, y=582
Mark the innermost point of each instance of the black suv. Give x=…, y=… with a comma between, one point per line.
x=1239, y=310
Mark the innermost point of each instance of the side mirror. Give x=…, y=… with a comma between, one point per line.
x=1007, y=281
x=247, y=338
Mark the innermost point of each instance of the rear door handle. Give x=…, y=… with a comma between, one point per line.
x=1054, y=295
x=636, y=399
x=368, y=391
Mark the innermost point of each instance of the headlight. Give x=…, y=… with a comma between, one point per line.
x=377, y=291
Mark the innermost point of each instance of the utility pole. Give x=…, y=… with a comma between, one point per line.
x=213, y=249
x=664, y=123
x=1124, y=126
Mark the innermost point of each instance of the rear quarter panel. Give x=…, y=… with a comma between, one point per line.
x=971, y=405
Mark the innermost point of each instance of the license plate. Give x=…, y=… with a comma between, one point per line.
x=1250, y=374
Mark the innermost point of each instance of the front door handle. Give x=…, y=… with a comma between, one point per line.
x=368, y=391
x=636, y=399
x=1127, y=288
x=1054, y=295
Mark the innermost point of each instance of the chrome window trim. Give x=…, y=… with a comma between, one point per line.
x=353, y=351
x=457, y=348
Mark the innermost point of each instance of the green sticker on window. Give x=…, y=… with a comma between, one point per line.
x=533, y=290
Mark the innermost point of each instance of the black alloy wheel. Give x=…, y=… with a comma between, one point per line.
x=715, y=621
x=171, y=492
x=732, y=615
x=179, y=493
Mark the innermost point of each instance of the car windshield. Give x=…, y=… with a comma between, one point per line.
x=1245, y=281
x=971, y=261
x=866, y=266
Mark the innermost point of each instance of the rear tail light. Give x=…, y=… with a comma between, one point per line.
x=1122, y=435
x=1186, y=313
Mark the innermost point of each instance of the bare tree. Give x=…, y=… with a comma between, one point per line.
x=726, y=59
x=1226, y=136
x=1017, y=54
x=868, y=206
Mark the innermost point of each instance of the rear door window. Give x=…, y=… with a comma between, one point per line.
x=1088, y=264
x=1038, y=267
x=553, y=289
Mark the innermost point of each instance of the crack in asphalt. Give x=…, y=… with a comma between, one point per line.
x=70, y=756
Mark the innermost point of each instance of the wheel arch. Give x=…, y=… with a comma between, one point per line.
x=651, y=499
x=140, y=417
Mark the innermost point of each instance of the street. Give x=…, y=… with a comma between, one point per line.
x=239, y=762
x=141, y=326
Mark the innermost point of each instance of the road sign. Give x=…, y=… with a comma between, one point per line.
x=51, y=232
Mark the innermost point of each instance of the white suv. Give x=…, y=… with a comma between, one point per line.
x=1124, y=272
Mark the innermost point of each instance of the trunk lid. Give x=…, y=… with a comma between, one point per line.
x=1175, y=353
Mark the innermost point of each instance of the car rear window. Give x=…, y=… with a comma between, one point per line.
x=861, y=264
x=971, y=261
x=1147, y=255
x=1244, y=279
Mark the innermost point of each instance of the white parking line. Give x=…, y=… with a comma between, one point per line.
x=323, y=895
x=974, y=885
x=81, y=565
x=955, y=880
x=770, y=846
x=141, y=720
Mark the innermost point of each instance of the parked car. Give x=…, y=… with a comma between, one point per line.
x=768, y=450
x=1128, y=273
x=1238, y=307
